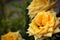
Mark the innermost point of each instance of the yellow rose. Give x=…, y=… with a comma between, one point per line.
x=37, y=6
x=44, y=23
x=11, y=36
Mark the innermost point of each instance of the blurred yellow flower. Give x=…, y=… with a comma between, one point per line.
x=37, y=6
x=11, y=36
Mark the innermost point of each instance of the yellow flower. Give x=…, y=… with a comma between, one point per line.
x=11, y=36
x=44, y=24
x=37, y=6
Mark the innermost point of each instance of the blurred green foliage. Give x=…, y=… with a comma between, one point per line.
x=13, y=17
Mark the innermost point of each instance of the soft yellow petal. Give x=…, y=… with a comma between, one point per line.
x=48, y=35
x=56, y=30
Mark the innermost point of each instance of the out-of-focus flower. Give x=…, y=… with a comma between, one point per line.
x=37, y=6
x=44, y=24
x=11, y=36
